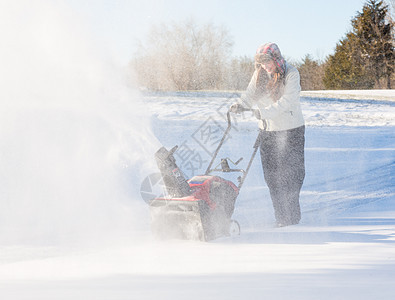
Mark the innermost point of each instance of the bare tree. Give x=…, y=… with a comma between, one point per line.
x=239, y=73
x=183, y=56
x=311, y=74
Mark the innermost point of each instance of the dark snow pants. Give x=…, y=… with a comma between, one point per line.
x=282, y=155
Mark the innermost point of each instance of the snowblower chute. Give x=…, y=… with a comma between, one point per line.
x=200, y=208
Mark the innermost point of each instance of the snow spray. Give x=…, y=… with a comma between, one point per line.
x=74, y=140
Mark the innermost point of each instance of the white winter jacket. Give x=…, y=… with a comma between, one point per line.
x=284, y=114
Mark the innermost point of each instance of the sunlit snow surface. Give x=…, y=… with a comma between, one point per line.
x=344, y=247
x=76, y=145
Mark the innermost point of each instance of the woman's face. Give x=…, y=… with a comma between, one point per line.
x=269, y=66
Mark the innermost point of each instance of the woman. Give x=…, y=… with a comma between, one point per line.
x=275, y=90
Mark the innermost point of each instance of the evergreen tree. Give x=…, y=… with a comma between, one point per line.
x=344, y=69
x=366, y=54
x=375, y=39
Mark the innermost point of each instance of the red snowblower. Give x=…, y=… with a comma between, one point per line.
x=200, y=208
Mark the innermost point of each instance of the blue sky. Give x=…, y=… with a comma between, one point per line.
x=299, y=27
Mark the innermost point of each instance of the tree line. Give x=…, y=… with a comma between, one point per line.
x=187, y=56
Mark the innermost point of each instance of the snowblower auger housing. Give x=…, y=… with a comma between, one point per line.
x=200, y=208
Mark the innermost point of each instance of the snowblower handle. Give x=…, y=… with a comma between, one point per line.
x=224, y=137
x=240, y=110
x=243, y=109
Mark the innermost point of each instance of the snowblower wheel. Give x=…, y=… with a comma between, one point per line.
x=234, y=228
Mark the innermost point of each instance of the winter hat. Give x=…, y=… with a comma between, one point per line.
x=270, y=51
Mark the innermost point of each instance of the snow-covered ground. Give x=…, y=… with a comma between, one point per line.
x=351, y=94
x=344, y=248
x=76, y=146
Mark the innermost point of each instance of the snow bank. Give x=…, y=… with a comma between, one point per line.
x=367, y=110
x=388, y=95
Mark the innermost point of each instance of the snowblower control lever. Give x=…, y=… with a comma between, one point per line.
x=224, y=162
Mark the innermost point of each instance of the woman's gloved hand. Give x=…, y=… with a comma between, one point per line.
x=236, y=108
x=257, y=114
